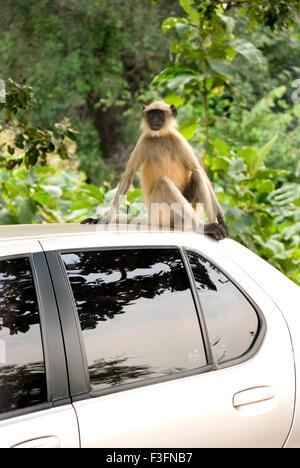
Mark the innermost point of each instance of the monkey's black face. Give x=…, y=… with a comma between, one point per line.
x=156, y=119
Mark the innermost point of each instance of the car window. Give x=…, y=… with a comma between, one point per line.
x=136, y=313
x=231, y=320
x=22, y=369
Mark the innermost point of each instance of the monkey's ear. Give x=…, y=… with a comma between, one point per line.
x=174, y=110
x=143, y=107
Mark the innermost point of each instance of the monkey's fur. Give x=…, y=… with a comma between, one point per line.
x=170, y=173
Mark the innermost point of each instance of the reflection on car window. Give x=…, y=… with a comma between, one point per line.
x=136, y=312
x=22, y=370
x=231, y=320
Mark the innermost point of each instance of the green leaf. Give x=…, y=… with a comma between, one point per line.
x=173, y=22
x=249, y=155
x=222, y=148
x=25, y=210
x=271, y=247
x=12, y=163
x=263, y=152
x=220, y=163
x=194, y=16
x=179, y=81
x=189, y=128
x=174, y=99
x=94, y=191
x=244, y=223
x=53, y=190
x=134, y=195
x=42, y=197
x=11, y=150
x=182, y=29
x=6, y=216
x=31, y=157
x=285, y=195
x=76, y=214
x=248, y=50
x=228, y=21
x=19, y=141
x=266, y=186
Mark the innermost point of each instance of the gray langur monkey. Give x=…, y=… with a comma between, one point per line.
x=170, y=174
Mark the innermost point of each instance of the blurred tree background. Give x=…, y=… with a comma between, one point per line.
x=77, y=73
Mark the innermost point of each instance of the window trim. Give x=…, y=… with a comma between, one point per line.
x=198, y=307
x=75, y=349
x=262, y=325
x=51, y=338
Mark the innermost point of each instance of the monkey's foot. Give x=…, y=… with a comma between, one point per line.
x=222, y=221
x=215, y=230
x=90, y=221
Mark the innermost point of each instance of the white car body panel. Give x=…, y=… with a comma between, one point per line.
x=201, y=405
x=59, y=424
x=286, y=295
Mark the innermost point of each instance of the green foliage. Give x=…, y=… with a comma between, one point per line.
x=262, y=209
x=270, y=115
x=35, y=142
x=90, y=61
x=56, y=195
x=205, y=53
x=44, y=194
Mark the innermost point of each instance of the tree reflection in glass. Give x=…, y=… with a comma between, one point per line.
x=22, y=375
x=231, y=320
x=136, y=312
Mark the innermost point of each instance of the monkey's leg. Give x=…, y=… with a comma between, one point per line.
x=167, y=205
x=199, y=190
x=167, y=197
x=166, y=193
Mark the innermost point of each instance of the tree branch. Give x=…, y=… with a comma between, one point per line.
x=206, y=110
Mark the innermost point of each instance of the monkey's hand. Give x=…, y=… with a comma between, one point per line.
x=215, y=230
x=105, y=220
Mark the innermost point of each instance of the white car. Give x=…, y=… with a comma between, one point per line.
x=144, y=339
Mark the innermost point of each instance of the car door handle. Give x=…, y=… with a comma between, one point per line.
x=40, y=442
x=253, y=395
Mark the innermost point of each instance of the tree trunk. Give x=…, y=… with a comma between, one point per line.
x=109, y=124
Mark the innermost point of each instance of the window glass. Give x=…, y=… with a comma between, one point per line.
x=22, y=370
x=136, y=313
x=231, y=320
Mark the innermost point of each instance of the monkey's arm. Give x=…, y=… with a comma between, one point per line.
x=133, y=165
x=199, y=189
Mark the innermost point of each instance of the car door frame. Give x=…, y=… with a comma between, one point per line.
x=53, y=422
x=58, y=393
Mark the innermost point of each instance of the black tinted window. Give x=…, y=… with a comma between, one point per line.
x=231, y=320
x=136, y=312
x=22, y=371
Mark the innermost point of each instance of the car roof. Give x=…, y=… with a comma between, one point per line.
x=17, y=238
x=109, y=232
x=29, y=231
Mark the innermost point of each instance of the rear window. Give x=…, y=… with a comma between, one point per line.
x=232, y=322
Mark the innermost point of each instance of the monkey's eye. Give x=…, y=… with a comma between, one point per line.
x=156, y=115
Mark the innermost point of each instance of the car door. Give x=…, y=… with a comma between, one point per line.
x=163, y=366
x=35, y=406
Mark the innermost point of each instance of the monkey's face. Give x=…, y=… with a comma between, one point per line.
x=156, y=119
